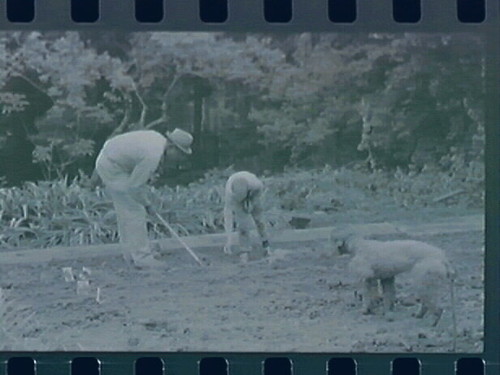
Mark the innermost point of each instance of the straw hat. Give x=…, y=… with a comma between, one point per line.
x=182, y=139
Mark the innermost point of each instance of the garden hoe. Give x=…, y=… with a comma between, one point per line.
x=172, y=231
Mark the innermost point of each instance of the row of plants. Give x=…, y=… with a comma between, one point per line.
x=63, y=212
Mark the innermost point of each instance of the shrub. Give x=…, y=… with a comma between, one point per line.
x=62, y=212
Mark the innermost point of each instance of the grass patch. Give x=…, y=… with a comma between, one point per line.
x=62, y=212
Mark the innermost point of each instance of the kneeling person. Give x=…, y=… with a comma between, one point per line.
x=242, y=204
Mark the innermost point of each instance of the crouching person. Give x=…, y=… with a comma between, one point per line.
x=242, y=204
x=125, y=164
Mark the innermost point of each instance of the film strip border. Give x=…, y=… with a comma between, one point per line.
x=237, y=365
x=249, y=14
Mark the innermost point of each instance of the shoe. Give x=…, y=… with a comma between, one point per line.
x=156, y=248
x=144, y=261
x=257, y=253
x=228, y=249
x=234, y=249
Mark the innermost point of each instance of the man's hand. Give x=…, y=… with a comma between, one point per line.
x=150, y=210
x=94, y=181
x=247, y=205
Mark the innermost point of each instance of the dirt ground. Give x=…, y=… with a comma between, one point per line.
x=300, y=298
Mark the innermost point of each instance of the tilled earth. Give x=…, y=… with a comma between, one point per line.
x=300, y=298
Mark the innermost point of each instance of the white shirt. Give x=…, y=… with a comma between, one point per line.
x=240, y=183
x=135, y=154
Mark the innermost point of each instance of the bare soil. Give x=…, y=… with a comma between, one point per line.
x=301, y=298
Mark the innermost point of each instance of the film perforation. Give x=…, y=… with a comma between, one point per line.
x=469, y=366
x=149, y=366
x=341, y=366
x=274, y=11
x=21, y=365
x=20, y=11
x=214, y=366
x=234, y=365
x=214, y=11
x=85, y=11
x=406, y=366
x=149, y=11
x=406, y=11
x=85, y=366
x=471, y=11
x=342, y=11
x=278, y=366
x=278, y=11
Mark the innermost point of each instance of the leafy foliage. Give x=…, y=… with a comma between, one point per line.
x=298, y=100
x=65, y=213
x=395, y=99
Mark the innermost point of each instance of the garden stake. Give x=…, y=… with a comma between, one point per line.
x=191, y=252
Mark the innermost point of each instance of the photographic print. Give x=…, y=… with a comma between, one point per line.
x=242, y=192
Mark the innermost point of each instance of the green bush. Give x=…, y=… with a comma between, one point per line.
x=50, y=213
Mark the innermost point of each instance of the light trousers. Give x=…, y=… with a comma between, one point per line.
x=235, y=213
x=129, y=208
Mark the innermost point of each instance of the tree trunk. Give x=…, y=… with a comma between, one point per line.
x=16, y=154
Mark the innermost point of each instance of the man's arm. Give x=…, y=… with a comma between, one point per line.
x=95, y=180
x=142, y=172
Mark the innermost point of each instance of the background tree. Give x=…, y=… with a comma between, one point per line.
x=259, y=101
x=397, y=100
